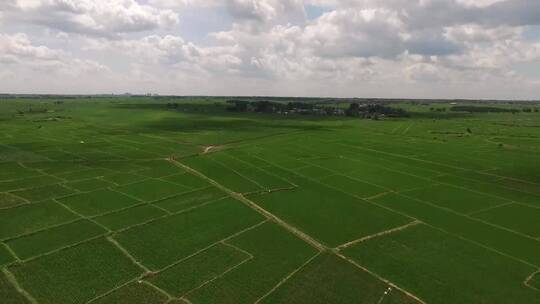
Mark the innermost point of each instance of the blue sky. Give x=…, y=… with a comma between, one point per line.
x=347, y=48
x=314, y=11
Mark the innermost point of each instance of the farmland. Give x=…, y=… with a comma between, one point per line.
x=132, y=200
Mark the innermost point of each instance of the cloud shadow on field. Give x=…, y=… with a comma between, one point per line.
x=194, y=117
x=439, y=115
x=202, y=123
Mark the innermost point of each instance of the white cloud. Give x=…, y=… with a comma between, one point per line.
x=92, y=17
x=425, y=48
x=473, y=33
x=29, y=63
x=478, y=3
x=18, y=48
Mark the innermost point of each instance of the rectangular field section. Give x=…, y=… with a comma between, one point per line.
x=276, y=253
x=98, y=202
x=29, y=218
x=222, y=174
x=441, y=268
x=9, y=293
x=456, y=199
x=76, y=275
x=516, y=217
x=5, y=256
x=330, y=279
x=129, y=217
x=195, y=272
x=329, y=215
x=498, y=239
x=152, y=190
x=134, y=293
x=191, y=199
x=54, y=238
x=170, y=239
x=8, y=200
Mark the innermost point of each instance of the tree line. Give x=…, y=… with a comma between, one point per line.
x=374, y=111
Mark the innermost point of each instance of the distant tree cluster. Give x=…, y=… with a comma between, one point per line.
x=530, y=110
x=32, y=110
x=262, y=106
x=374, y=111
x=266, y=106
x=481, y=109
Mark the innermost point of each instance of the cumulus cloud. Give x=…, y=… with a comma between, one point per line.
x=18, y=48
x=355, y=47
x=22, y=58
x=93, y=17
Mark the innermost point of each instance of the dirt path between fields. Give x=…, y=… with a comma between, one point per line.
x=255, y=207
x=369, y=237
x=528, y=280
x=208, y=149
x=296, y=231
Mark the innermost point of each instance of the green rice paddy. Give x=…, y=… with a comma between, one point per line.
x=127, y=200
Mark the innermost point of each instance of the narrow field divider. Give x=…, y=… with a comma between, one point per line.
x=376, y=235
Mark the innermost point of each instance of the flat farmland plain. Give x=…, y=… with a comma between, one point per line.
x=132, y=200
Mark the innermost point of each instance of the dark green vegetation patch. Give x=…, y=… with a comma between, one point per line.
x=9, y=294
x=225, y=175
x=14, y=171
x=456, y=199
x=187, y=179
x=54, y=238
x=535, y=281
x=276, y=253
x=197, y=271
x=186, y=233
x=330, y=279
x=30, y=218
x=8, y=200
x=130, y=217
x=123, y=178
x=426, y=261
x=191, y=199
x=516, y=217
x=76, y=275
x=134, y=293
x=5, y=256
x=28, y=183
x=330, y=215
x=497, y=239
x=159, y=168
x=152, y=190
x=98, y=203
x=44, y=193
x=89, y=185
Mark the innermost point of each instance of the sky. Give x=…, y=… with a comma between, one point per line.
x=476, y=49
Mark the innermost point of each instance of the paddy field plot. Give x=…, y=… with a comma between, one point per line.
x=97, y=202
x=330, y=279
x=132, y=201
x=166, y=240
x=29, y=218
x=129, y=217
x=51, y=239
x=200, y=269
x=134, y=293
x=427, y=261
x=77, y=274
x=9, y=293
x=276, y=254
